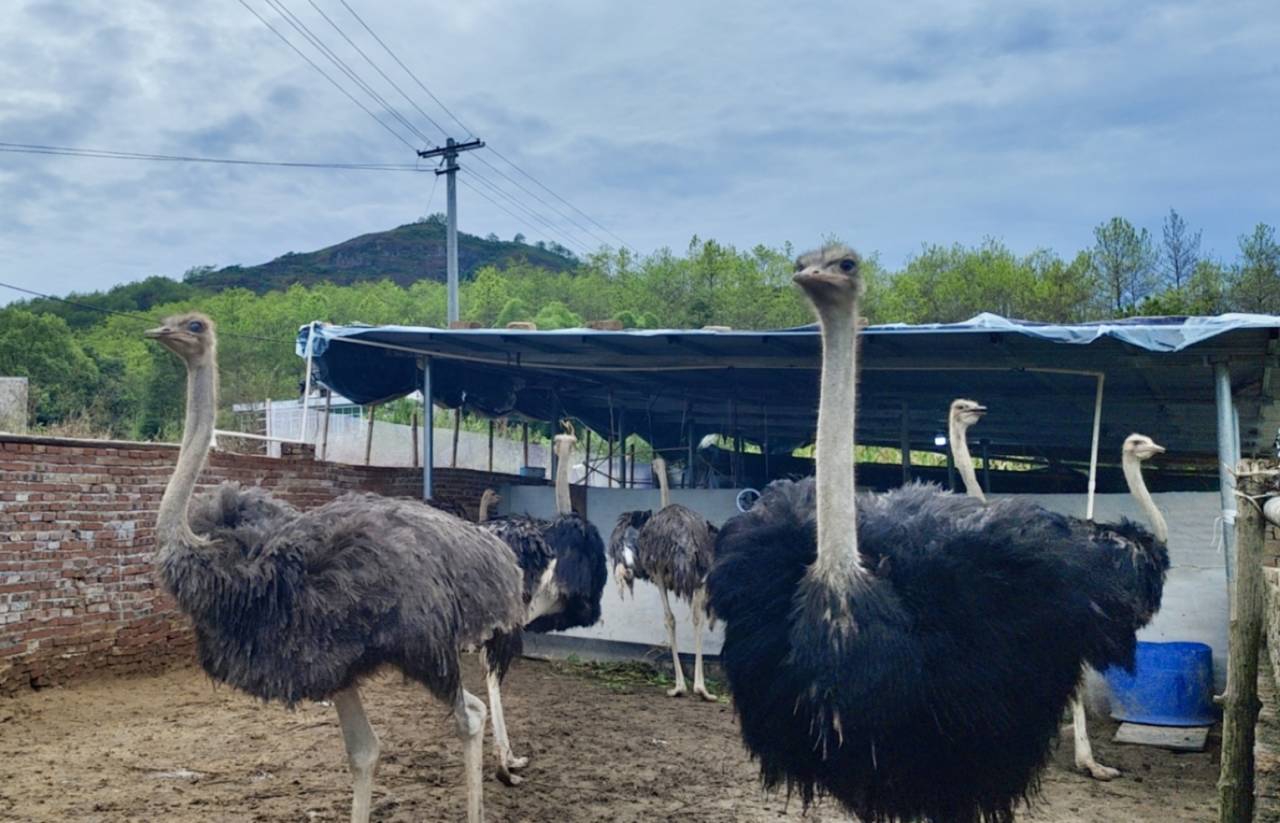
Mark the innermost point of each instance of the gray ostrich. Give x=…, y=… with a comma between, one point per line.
x=563, y=566
x=293, y=606
x=1137, y=448
x=673, y=548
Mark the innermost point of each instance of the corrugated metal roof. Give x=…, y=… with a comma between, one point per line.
x=1038, y=379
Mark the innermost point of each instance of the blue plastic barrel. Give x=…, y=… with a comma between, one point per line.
x=1172, y=685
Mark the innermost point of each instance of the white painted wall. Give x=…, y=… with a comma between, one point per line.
x=1195, y=594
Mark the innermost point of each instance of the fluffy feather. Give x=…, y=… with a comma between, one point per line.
x=932, y=689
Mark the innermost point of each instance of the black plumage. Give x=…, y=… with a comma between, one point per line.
x=939, y=698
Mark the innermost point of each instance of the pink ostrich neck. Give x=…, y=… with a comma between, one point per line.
x=660, y=472
x=563, y=447
x=959, y=434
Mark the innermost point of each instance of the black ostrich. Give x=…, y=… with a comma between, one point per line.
x=563, y=566
x=672, y=548
x=909, y=653
x=293, y=606
x=1136, y=557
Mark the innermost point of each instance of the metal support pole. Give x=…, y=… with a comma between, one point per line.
x=324, y=427
x=428, y=430
x=413, y=427
x=1228, y=453
x=457, y=430
x=449, y=151
x=690, y=473
x=764, y=448
x=491, y=445
x=305, y=435
x=524, y=436
x=368, y=437
x=1093, y=452
x=904, y=443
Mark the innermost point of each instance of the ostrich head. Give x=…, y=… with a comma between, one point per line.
x=489, y=501
x=1141, y=447
x=967, y=412
x=830, y=276
x=190, y=336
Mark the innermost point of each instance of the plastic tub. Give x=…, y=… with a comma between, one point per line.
x=1172, y=685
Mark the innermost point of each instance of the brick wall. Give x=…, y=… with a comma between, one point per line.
x=77, y=595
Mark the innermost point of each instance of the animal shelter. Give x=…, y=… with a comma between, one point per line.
x=1063, y=395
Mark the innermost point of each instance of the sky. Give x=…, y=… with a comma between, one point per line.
x=887, y=125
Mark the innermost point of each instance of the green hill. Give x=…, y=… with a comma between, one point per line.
x=404, y=255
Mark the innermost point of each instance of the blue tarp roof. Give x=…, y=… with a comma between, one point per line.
x=1039, y=379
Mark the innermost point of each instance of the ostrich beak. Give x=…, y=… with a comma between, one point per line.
x=1158, y=448
x=980, y=409
x=158, y=332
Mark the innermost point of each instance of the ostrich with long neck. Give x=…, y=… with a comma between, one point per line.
x=908, y=653
x=294, y=606
x=673, y=548
x=1124, y=546
x=563, y=563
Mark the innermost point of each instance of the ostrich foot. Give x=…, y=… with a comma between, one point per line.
x=1096, y=770
x=678, y=690
x=515, y=764
x=507, y=777
x=701, y=691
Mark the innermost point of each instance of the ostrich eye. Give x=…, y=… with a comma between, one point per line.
x=847, y=266
x=195, y=327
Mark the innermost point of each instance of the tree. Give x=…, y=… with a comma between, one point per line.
x=1123, y=260
x=514, y=310
x=518, y=238
x=1180, y=251
x=1257, y=281
x=556, y=315
x=492, y=238
x=42, y=348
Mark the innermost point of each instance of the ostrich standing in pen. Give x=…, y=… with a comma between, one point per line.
x=908, y=653
x=563, y=566
x=1144, y=553
x=293, y=606
x=672, y=547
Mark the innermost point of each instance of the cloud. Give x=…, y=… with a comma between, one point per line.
x=756, y=122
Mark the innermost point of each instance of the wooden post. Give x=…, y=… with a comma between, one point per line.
x=586, y=462
x=324, y=427
x=490, y=445
x=608, y=470
x=413, y=427
x=1240, y=714
x=368, y=437
x=524, y=433
x=904, y=443
x=457, y=427
x=632, y=461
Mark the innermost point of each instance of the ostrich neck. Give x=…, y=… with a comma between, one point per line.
x=483, y=514
x=563, y=503
x=664, y=495
x=959, y=435
x=172, y=528
x=837, y=511
x=1138, y=488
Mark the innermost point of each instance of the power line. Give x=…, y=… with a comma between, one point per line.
x=520, y=221
x=129, y=314
x=469, y=131
x=547, y=189
x=407, y=71
x=319, y=45
x=556, y=211
x=326, y=76
x=549, y=226
x=108, y=154
x=377, y=68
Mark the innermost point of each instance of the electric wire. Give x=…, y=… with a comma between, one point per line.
x=108, y=154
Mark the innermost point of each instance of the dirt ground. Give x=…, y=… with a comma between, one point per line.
x=175, y=748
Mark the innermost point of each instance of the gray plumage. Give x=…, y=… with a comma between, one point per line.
x=291, y=605
x=675, y=549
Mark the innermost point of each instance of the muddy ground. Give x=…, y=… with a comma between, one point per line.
x=603, y=746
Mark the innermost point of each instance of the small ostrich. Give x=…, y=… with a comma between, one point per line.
x=673, y=548
x=1144, y=554
x=563, y=565
x=293, y=606
x=909, y=653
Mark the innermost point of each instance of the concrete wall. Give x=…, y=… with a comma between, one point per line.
x=13, y=404
x=1195, y=598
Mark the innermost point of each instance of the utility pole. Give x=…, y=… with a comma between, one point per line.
x=449, y=151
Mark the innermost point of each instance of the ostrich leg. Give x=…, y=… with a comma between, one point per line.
x=1084, y=751
x=362, y=750
x=469, y=713
x=670, y=619
x=699, y=611
x=507, y=761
